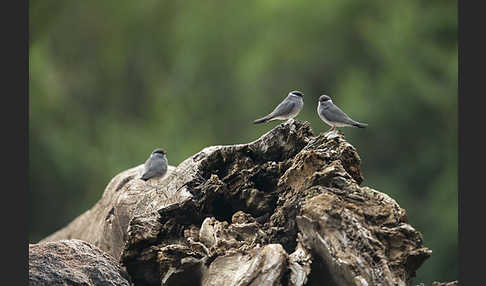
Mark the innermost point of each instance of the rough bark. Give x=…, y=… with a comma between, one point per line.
x=286, y=209
x=435, y=283
x=73, y=262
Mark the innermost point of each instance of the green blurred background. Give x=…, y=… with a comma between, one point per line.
x=112, y=80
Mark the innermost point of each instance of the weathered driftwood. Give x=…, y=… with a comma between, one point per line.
x=73, y=262
x=286, y=209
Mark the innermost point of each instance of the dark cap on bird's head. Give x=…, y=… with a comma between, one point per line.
x=159, y=151
x=298, y=93
x=324, y=98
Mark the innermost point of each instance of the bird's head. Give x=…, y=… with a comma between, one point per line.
x=296, y=93
x=159, y=151
x=323, y=98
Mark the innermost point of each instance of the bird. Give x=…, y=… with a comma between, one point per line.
x=333, y=115
x=287, y=109
x=156, y=165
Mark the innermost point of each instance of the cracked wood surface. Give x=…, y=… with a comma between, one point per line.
x=285, y=209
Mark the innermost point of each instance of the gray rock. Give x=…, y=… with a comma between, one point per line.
x=73, y=262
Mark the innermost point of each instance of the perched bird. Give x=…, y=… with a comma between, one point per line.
x=288, y=108
x=333, y=116
x=156, y=165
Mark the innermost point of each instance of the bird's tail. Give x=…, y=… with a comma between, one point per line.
x=360, y=125
x=262, y=120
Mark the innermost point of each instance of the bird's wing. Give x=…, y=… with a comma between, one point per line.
x=148, y=170
x=285, y=107
x=153, y=167
x=335, y=114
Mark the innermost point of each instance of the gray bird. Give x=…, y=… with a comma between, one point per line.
x=156, y=165
x=333, y=116
x=288, y=108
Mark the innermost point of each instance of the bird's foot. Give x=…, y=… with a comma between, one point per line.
x=332, y=130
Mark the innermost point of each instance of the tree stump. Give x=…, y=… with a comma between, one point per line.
x=286, y=209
